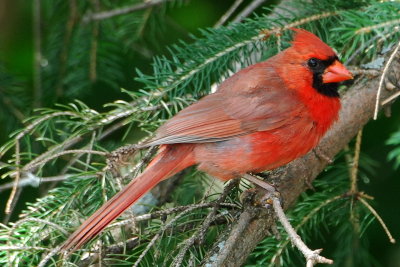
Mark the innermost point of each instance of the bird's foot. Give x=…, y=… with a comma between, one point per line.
x=271, y=190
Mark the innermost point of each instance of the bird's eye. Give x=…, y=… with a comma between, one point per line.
x=312, y=62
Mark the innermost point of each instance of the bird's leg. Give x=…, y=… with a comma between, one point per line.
x=273, y=196
x=270, y=188
x=321, y=155
x=266, y=200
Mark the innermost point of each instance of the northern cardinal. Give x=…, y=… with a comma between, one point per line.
x=262, y=117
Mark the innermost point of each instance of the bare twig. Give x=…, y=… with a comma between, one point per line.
x=228, y=13
x=303, y=222
x=248, y=10
x=354, y=169
x=149, y=245
x=312, y=256
x=373, y=211
x=90, y=147
x=385, y=69
x=114, y=127
x=122, y=10
x=354, y=215
x=391, y=98
x=52, y=252
x=30, y=179
x=7, y=216
x=16, y=179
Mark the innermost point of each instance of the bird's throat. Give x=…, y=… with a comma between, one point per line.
x=327, y=89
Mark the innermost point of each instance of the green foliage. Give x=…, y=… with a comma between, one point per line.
x=13, y=101
x=395, y=153
x=81, y=58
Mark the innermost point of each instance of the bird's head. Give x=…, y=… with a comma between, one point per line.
x=319, y=60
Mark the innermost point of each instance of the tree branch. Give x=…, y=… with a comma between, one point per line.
x=122, y=10
x=248, y=10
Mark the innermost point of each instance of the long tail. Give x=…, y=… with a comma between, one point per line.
x=171, y=160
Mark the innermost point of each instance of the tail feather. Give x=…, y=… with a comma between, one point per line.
x=168, y=162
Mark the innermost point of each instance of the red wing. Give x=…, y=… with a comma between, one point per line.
x=233, y=112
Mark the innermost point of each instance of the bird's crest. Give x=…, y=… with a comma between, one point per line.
x=305, y=42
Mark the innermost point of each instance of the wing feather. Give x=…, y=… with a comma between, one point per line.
x=237, y=108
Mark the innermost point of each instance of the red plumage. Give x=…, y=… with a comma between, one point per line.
x=262, y=117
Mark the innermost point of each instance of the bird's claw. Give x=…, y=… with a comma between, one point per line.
x=267, y=200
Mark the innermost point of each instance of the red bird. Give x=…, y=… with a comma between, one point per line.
x=262, y=117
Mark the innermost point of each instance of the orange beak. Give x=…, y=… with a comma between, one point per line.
x=336, y=73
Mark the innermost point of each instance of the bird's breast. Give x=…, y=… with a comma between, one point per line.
x=256, y=152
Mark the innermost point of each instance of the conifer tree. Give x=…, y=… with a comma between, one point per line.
x=103, y=80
